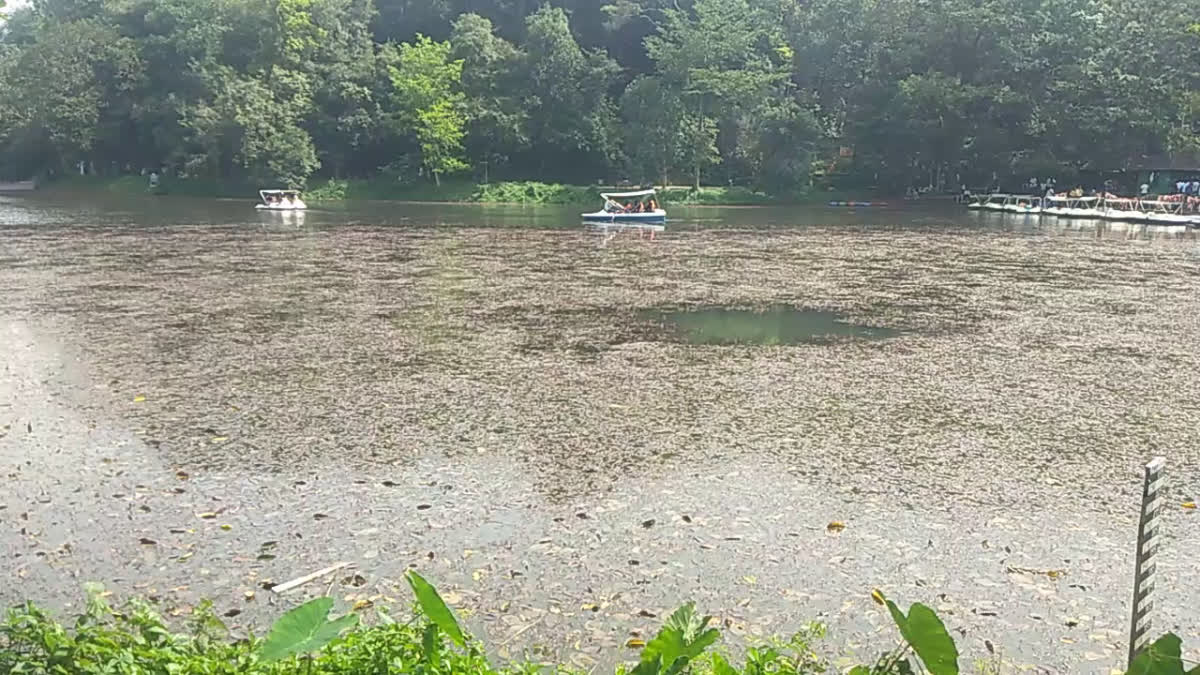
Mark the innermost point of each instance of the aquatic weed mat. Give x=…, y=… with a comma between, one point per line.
x=1066, y=355
x=487, y=405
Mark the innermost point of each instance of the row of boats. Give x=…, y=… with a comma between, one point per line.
x=1101, y=207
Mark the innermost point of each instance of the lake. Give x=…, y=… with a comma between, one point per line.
x=199, y=399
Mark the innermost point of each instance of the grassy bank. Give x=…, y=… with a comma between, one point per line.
x=512, y=192
x=307, y=640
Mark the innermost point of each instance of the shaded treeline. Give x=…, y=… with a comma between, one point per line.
x=767, y=93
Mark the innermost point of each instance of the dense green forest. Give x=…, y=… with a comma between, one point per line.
x=771, y=94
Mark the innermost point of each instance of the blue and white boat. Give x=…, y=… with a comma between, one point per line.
x=615, y=212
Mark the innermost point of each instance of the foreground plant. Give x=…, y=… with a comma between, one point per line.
x=306, y=641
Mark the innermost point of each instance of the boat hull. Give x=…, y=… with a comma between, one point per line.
x=659, y=216
x=265, y=207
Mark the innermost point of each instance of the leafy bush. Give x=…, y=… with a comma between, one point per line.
x=332, y=190
x=532, y=192
x=306, y=641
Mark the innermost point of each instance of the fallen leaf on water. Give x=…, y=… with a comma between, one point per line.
x=226, y=527
x=139, y=398
x=147, y=542
x=635, y=643
x=207, y=515
x=590, y=607
x=181, y=475
x=1191, y=506
x=835, y=526
x=877, y=596
x=750, y=579
x=249, y=595
x=362, y=604
x=219, y=439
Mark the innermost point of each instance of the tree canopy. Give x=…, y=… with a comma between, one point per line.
x=768, y=93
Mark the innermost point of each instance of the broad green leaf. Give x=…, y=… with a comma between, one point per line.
x=304, y=629
x=1161, y=658
x=860, y=670
x=927, y=635
x=434, y=608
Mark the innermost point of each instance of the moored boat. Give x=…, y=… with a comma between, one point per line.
x=1027, y=204
x=1163, y=212
x=614, y=212
x=1122, y=209
x=992, y=202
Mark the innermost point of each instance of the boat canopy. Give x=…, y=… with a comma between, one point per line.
x=279, y=192
x=623, y=195
x=1060, y=198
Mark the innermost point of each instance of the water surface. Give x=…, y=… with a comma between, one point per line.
x=469, y=390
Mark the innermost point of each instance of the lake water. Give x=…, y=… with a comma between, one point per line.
x=533, y=413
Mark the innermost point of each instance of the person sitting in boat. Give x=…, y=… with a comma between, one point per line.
x=628, y=207
x=653, y=204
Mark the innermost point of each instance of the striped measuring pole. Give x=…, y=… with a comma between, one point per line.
x=1147, y=547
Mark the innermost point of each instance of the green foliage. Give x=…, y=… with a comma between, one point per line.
x=434, y=608
x=304, y=630
x=1164, y=657
x=136, y=640
x=332, y=190
x=756, y=93
x=926, y=635
x=427, y=81
x=685, y=637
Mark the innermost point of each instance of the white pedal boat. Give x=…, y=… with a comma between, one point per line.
x=280, y=200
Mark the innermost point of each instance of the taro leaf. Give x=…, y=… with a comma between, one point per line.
x=1160, y=658
x=684, y=637
x=434, y=608
x=860, y=670
x=926, y=634
x=303, y=630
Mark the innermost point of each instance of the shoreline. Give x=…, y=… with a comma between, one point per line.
x=366, y=191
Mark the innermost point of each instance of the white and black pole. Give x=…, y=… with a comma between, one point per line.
x=1147, y=547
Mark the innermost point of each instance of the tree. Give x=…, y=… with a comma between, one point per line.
x=746, y=91
x=429, y=102
x=658, y=126
x=713, y=56
x=496, y=118
x=571, y=123
x=60, y=90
